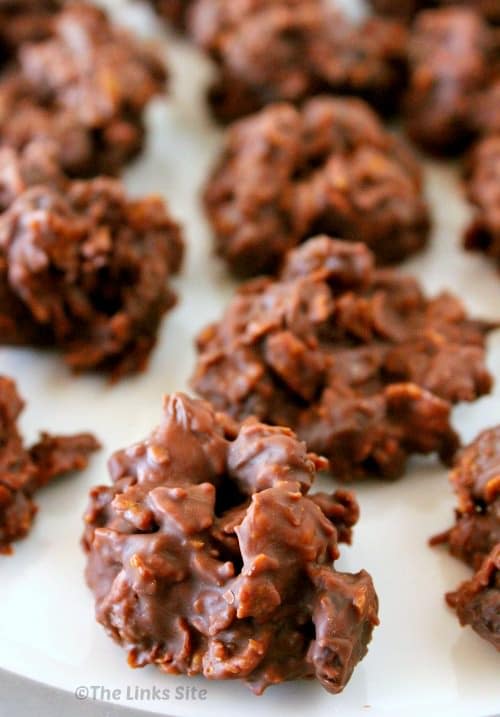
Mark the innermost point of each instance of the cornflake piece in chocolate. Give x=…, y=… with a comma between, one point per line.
x=89, y=269
x=452, y=55
x=23, y=471
x=483, y=189
x=208, y=555
x=331, y=167
x=358, y=361
x=288, y=50
x=85, y=87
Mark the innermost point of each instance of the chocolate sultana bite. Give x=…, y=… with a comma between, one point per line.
x=453, y=60
x=285, y=174
x=85, y=269
x=357, y=360
x=475, y=537
x=407, y=9
x=85, y=87
x=208, y=555
x=23, y=471
x=289, y=50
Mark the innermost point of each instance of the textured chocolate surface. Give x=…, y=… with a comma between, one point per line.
x=331, y=167
x=406, y=9
x=288, y=50
x=23, y=470
x=453, y=57
x=208, y=555
x=85, y=87
x=483, y=190
x=358, y=361
x=86, y=269
x=25, y=21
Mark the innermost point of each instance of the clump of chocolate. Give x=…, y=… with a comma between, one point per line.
x=483, y=189
x=288, y=50
x=406, y=9
x=357, y=360
x=452, y=57
x=86, y=269
x=208, y=555
x=86, y=88
x=23, y=471
x=285, y=174
x=475, y=537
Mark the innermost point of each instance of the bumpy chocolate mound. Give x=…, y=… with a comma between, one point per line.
x=175, y=11
x=406, y=9
x=483, y=189
x=358, y=361
x=285, y=174
x=86, y=269
x=288, y=50
x=477, y=601
x=453, y=58
x=23, y=471
x=209, y=556
x=475, y=537
x=476, y=479
x=86, y=88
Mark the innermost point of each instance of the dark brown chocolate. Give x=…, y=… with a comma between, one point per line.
x=86, y=269
x=407, y=9
x=85, y=87
x=208, y=555
x=288, y=50
x=24, y=471
x=285, y=174
x=483, y=189
x=453, y=57
x=358, y=361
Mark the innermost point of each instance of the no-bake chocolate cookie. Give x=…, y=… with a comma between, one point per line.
x=483, y=189
x=85, y=88
x=288, y=50
x=357, y=360
x=475, y=537
x=23, y=471
x=453, y=59
x=209, y=555
x=285, y=174
x=86, y=269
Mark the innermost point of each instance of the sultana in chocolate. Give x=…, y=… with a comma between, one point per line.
x=208, y=555
x=285, y=174
x=86, y=270
x=23, y=471
x=357, y=360
x=289, y=50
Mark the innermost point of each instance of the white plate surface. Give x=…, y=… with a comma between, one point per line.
x=420, y=661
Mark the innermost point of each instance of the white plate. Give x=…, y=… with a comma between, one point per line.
x=420, y=661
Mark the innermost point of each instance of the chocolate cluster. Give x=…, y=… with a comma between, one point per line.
x=209, y=555
x=23, y=471
x=357, y=360
x=285, y=174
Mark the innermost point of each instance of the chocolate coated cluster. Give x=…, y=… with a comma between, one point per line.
x=23, y=471
x=84, y=268
x=285, y=174
x=209, y=555
x=357, y=360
